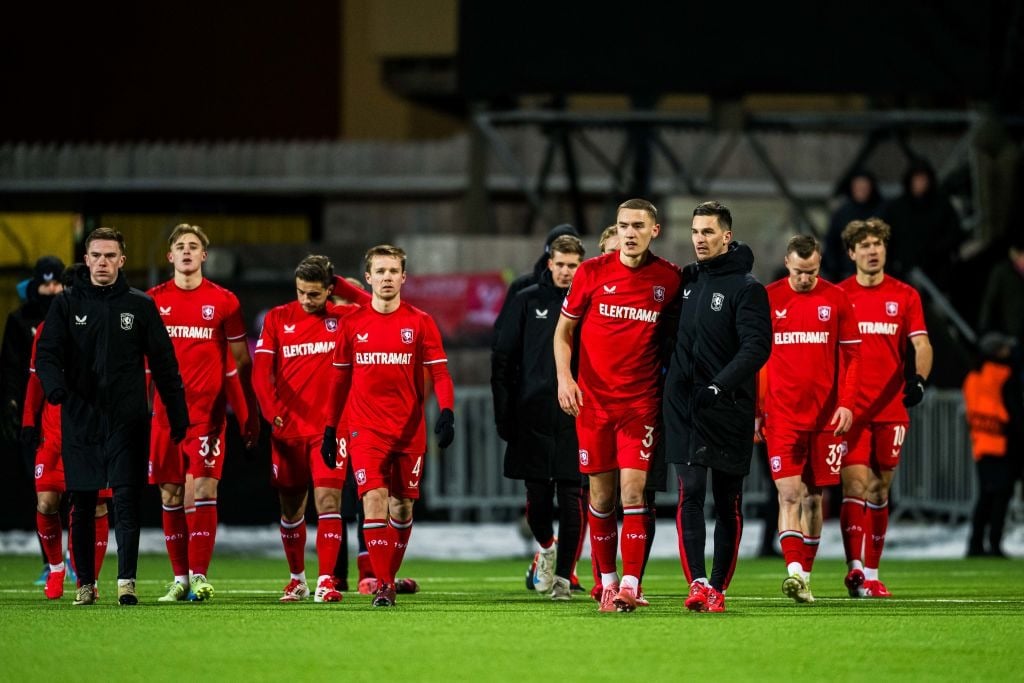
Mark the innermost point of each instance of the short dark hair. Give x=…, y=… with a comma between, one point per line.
x=112, y=234
x=316, y=268
x=186, y=229
x=385, y=250
x=856, y=231
x=717, y=209
x=803, y=246
x=641, y=205
x=567, y=244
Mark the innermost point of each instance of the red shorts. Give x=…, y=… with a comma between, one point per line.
x=200, y=454
x=815, y=456
x=876, y=444
x=617, y=440
x=49, y=467
x=376, y=466
x=296, y=462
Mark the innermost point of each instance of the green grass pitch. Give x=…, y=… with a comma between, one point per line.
x=951, y=620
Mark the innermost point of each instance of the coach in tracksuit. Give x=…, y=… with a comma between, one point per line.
x=542, y=446
x=724, y=338
x=91, y=360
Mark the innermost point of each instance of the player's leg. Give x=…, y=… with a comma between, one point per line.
x=290, y=475
x=102, y=529
x=404, y=490
x=597, y=455
x=788, y=451
x=570, y=533
x=83, y=534
x=50, y=534
x=633, y=540
x=691, y=532
x=328, y=539
x=540, y=514
x=887, y=445
x=167, y=471
x=204, y=457
x=728, y=494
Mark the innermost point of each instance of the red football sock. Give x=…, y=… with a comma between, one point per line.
x=810, y=552
x=328, y=540
x=202, y=534
x=364, y=565
x=51, y=536
x=604, y=537
x=634, y=539
x=878, y=516
x=792, y=543
x=176, y=538
x=293, y=537
x=400, y=532
x=378, y=543
x=853, y=520
x=102, y=536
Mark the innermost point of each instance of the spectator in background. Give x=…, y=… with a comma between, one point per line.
x=609, y=240
x=863, y=200
x=995, y=415
x=1002, y=306
x=926, y=229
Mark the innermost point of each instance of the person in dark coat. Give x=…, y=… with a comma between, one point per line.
x=863, y=201
x=724, y=338
x=91, y=359
x=542, y=447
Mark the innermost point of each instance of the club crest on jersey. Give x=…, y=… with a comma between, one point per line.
x=717, y=299
x=824, y=313
x=331, y=324
x=659, y=293
x=127, y=319
x=407, y=336
x=892, y=308
x=207, y=312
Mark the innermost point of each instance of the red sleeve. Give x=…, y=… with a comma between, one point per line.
x=263, y=371
x=235, y=395
x=915, y=314
x=436, y=361
x=849, y=349
x=346, y=290
x=337, y=394
x=34, y=395
x=234, y=326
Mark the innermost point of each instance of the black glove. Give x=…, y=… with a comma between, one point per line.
x=329, y=447
x=445, y=428
x=707, y=396
x=178, y=434
x=913, y=393
x=30, y=438
x=57, y=396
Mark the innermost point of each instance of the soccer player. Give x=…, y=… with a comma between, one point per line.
x=724, y=338
x=204, y=322
x=888, y=314
x=808, y=403
x=625, y=302
x=382, y=351
x=291, y=377
x=91, y=359
x=542, y=447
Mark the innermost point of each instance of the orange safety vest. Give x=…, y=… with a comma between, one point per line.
x=987, y=416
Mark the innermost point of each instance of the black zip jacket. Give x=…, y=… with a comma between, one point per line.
x=724, y=337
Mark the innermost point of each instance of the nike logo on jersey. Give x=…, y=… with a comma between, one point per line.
x=542, y=315
x=362, y=338
x=165, y=310
x=289, y=329
x=80, y=319
x=779, y=315
x=610, y=290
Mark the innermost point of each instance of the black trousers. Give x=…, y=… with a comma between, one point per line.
x=995, y=488
x=728, y=493
x=126, y=506
x=540, y=515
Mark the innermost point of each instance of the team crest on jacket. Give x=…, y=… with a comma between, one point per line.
x=892, y=308
x=717, y=299
x=407, y=335
x=331, y=324
x=824, y=313
x=659, y=293
x=207, y=312
x=126, y=321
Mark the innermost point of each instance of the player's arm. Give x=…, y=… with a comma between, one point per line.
x=50, y=349
x=239, y=351
x=163, y=365
x=263, y=385
x=753, y=327
x=842, y=419
x=349, y=292
x=334, y=406
x=913, y=392
x=570, y=398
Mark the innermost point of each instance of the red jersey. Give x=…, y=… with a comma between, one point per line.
x=622, y=311
x=200, y=323
x=386, y=354
x=888, y=314
x=804, y=386
x=292, y=371
x=35, y=403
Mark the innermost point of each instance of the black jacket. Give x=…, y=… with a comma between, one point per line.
x=541, y=438
x=724, y=337
x=95, y=346
x=16, y=353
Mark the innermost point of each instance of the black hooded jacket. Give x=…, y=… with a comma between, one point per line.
x=541, y=438
x=94, y=349
x=724, y=338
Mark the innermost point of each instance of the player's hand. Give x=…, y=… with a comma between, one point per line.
x=843, y=420
x=759, y=429
x=570, y=398
x=707, y=396
x=30, y=438
x=445, y=428
x=251, y=433
x=913, y=392
x=178, y=434
x=57, y=396
x=329, y=447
